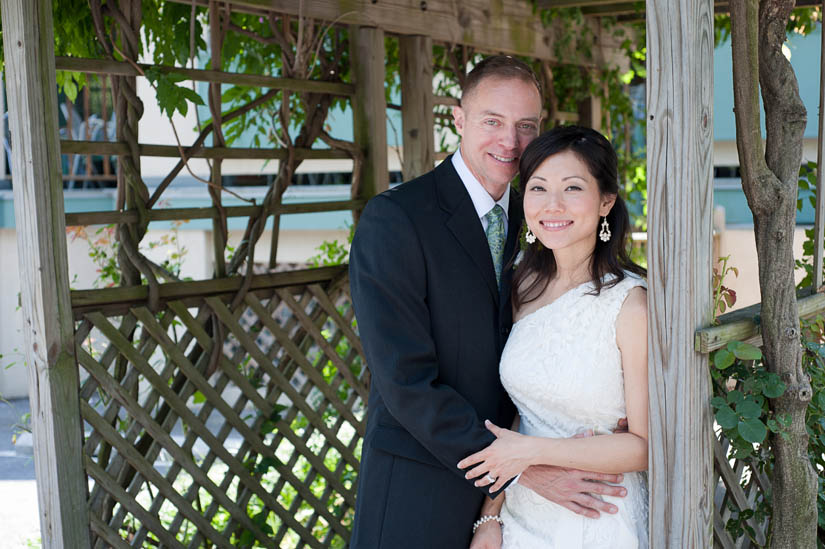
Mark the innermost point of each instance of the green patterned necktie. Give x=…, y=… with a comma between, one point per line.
x=495, y=237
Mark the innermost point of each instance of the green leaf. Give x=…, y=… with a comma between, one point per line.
x=267, y=427
x=752, y=430
x=265, y=464
x=744, y=351
x=718, y=402
x=726, y=418
x=774, y=386
x=735, y=397
x=198, y=397
x=70, y=89
x=753, y=385
x=723, y=359
x=749, y=409
x=191, y=95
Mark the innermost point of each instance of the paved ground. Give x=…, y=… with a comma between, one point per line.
x=19, y=523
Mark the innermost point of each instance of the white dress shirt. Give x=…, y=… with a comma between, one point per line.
x=482, y=200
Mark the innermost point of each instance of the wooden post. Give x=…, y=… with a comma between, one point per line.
x=369, y=108
x=417, y=105
x=28, y=38
x=680, y=200
x=590, y=113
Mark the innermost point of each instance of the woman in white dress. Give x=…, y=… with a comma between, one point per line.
x=576, y=360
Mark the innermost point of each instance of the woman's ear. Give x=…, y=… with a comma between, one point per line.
x=607, y=204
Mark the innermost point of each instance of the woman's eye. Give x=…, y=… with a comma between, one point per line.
x=573, y=188
x=536, y=188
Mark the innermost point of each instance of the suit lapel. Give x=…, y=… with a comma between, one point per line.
x=464, y=224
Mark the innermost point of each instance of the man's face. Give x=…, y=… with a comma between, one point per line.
x=496, y=121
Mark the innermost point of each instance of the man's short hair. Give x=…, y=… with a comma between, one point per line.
x=500, y=66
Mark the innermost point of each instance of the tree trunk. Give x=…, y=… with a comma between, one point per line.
x=770, y=185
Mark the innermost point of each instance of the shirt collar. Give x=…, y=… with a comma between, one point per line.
x=482, y=201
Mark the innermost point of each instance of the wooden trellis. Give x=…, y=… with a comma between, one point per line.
x=270, y=440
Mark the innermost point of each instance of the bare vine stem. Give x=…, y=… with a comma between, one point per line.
x=177, y=138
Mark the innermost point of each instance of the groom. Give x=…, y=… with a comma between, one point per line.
x=432, y=298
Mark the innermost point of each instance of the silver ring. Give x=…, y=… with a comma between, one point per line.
x=491, y=478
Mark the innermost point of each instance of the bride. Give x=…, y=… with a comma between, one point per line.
x=576, y=360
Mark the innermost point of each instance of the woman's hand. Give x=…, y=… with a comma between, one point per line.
x=509, y=455
x=488, y=536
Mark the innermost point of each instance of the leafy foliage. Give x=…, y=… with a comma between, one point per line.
x=742, y=389
x=807, y=186
x=332, y=253
x=723, y=297
x=172, y=97
x=73, y=37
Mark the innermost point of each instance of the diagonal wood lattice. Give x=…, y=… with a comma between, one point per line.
x=738, y=485
x=262, y=452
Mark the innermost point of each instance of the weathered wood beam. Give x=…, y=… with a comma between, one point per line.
x=417, y=105
x=505, y=27
x=112, y=148
x=614, y=7
x=28, y=37
x=174, y=214
x=744, y=324
x=83, y=301
x=445, y=100
x=680, y=204
x=369, y=108
x=575, y=3
x=123, y=68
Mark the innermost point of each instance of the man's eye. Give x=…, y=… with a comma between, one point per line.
x=491, y=122
x=528, y=127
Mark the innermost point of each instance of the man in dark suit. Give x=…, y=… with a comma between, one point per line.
x=432, y=298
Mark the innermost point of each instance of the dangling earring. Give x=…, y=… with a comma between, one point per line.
x=529, y=236
x=604, y=234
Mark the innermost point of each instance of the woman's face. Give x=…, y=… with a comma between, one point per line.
x=563, y=204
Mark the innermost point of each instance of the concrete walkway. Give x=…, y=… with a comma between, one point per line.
x=19, y=522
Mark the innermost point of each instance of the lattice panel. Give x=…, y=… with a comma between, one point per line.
x=738, y=484
x=260, y=449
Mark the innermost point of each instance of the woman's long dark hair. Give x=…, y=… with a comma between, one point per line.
x=538, y=266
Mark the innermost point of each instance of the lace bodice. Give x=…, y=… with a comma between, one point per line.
x=562, y=368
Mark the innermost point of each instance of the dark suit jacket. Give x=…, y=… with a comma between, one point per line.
x=433, y=324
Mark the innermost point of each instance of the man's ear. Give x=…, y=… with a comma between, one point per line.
x=458, y=119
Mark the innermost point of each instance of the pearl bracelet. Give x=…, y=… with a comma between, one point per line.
x=486, y=518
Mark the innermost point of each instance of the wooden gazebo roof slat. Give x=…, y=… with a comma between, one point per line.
x=625, y=8
x=509, y=26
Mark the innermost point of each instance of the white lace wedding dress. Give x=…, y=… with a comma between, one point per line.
x=562, y=368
